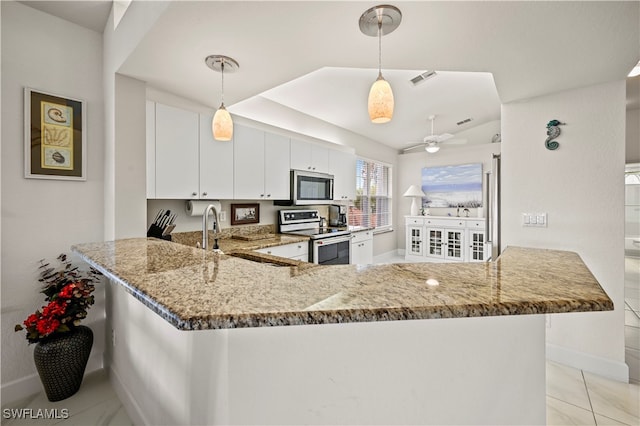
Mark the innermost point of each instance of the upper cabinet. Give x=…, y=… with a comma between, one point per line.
x=216, y=163
x=261, y=165
x=184, y=161
x=177, y=174
x=309, y=156
x=342, y=165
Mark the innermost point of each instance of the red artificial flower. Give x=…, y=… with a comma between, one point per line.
x=46, y=327
x=31, y=320
x=67, y=291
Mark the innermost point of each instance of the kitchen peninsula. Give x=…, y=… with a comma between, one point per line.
x=349, y=355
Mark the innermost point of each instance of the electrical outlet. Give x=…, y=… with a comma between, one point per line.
x=223, y=216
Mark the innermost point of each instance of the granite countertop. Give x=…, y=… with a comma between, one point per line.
x=195, y=290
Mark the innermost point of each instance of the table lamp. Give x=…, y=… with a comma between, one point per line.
x=414, y=191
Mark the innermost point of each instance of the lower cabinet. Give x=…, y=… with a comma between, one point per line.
x=444, y=239
x=362, y=247
x=296, y=251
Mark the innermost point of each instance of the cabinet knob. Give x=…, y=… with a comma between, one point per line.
x=268, y=195
x=309, y=168
x=204, y=194
x=313, y=168
x=261, y=195
x=193, y=194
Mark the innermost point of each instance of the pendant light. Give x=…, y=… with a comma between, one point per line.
x=222, y=125
x=378, y=21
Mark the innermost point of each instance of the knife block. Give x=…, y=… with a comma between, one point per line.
x=156, y=232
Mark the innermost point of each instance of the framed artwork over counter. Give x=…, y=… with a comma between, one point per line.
x=55, y=136
x=242, y=214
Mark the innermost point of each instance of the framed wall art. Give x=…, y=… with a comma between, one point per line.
x=245, y=213
x=55, y=136
x=453, y=186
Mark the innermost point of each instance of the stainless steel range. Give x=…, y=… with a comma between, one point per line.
x=327, y=245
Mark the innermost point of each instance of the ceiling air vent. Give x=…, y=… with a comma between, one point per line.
x=466, y=120
x=422, y=77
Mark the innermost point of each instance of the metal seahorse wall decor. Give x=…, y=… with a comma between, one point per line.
x=553, y=131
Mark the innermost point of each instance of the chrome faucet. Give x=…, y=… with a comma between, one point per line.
x=205, y=227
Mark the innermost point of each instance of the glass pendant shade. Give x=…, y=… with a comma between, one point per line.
x=222, y=125
x=380, y=101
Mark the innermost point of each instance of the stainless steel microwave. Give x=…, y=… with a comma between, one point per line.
x=311, y=188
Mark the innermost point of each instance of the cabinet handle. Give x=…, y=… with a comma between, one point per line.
x=204, y=194
x=193, y=194
x=308, y=167
x=268, y=195
x=313, y=168
x=261, y=195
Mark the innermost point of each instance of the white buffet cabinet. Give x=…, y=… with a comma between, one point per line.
x=445, y=239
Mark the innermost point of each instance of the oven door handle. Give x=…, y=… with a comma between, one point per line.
x=332, y=240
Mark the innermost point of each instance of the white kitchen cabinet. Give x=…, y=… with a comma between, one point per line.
x=261, y=165
x=176, y=153
x=444, y=239
x=277, y=166
x=296, y=251
x=248, y=162
x=342, y=165
x=309, y=156
x=215, y=164
x=362, y=247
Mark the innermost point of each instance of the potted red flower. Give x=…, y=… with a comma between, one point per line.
x=63, y=345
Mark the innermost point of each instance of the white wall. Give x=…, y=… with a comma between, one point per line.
x=580, y=186
x=42, y=218
x=632, y=154
x=410, y=173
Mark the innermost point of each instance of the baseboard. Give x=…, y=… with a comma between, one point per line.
x=24, y=387
x=128, y=401
x=601, y=366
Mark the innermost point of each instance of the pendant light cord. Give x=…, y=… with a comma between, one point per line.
x=222, y=71
x=379, y=47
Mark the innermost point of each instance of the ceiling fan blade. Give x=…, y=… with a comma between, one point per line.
x=459, y=141
x=443, y=137
x=421, y=145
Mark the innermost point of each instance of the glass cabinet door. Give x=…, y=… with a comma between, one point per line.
x=435, y=242
x=415, y=244
x=454, y=244
x=476, y=246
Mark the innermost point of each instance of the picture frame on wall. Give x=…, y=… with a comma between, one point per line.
x=242, y=214
x=55, y=136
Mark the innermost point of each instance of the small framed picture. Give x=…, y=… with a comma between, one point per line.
x=55, y=136
x=245, y=213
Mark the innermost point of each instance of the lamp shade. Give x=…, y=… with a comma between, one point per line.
x=380, y=102
x=414, y=191
x=222, y=125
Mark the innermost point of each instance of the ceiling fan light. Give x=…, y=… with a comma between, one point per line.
x=381, y=101
x=222, y=125
x=432, y=149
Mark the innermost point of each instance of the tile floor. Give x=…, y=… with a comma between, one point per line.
x=574, y=397
x=632, y=316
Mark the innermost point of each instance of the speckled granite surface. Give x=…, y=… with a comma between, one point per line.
x=195, y=290
x=228, y=244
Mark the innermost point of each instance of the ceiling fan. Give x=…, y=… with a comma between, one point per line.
x=431, y=143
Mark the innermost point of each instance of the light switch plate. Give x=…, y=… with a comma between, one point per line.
x=223, y=216
x=538, y=220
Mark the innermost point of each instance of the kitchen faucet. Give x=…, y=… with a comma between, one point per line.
x=205, y=227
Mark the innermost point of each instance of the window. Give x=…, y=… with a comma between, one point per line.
x=372, y=206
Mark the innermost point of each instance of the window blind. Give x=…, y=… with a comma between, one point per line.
x=372, y=206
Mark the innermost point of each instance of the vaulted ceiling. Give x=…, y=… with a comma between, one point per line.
x=308, y=59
